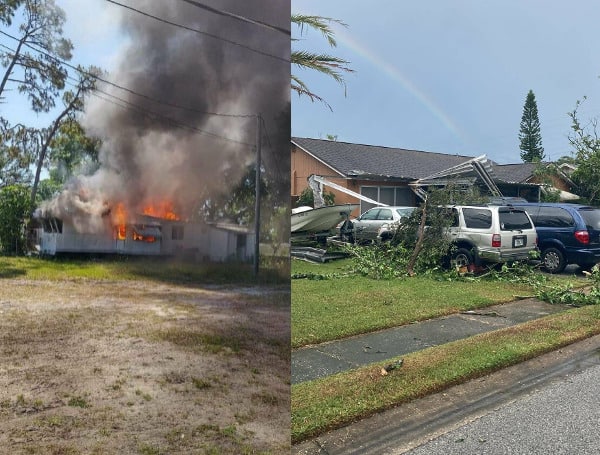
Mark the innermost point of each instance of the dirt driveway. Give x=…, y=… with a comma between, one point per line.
x=137, y=367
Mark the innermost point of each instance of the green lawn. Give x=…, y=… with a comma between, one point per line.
x=341, y=304
x=334, y=401
x=331, y=303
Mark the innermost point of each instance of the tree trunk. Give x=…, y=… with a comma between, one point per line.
x=11, y=65
x=419, y=245
x=46, y=144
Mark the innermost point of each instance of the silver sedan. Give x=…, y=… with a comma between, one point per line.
x=375, y=224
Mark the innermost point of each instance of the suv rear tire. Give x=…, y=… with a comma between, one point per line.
x=461, y=258
x=553, y=260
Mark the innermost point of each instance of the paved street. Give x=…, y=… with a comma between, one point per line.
x=561, y=418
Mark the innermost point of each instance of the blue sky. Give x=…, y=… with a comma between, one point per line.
x=93, y=28
x=452, y=77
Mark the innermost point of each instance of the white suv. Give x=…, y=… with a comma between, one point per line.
x=490, y=234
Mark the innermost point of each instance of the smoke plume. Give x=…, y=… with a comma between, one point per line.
x=168, y=145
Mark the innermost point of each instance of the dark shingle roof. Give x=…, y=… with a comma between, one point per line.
x=515, y=173
x=370, y=160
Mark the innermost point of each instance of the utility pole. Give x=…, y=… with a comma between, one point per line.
x=257, y=196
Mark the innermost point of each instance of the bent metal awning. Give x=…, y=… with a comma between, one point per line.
x=465, y=173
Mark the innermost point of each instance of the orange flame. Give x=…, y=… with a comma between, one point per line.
x=143, y=238
x=120, y=218
x=162, y=209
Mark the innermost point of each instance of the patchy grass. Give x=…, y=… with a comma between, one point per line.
x=200, y=341
x=99, y=358
x=331, y=402
x=160, y=269
x=337, y=304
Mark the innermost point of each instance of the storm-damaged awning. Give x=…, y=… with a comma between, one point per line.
x=463, y=174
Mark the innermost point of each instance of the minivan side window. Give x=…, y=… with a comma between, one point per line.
x=478, y=218
x=554, y=217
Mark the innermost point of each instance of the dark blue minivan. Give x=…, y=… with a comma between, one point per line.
x=567, y=234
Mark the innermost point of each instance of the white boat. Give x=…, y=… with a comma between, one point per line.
x=308, y=220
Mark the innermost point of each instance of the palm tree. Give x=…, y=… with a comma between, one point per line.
x=324, y=63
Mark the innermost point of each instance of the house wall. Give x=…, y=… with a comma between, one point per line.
x=206, y=242
x=71, y=241
x=227, y=245
x=191, y=238
x=303, y=165
x=199, y=240
x=556, y=182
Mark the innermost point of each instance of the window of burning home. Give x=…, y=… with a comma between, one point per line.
x=176, y=232
x=52, y=225
x=143, y=233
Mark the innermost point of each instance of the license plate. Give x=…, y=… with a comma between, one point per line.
x=518, y=242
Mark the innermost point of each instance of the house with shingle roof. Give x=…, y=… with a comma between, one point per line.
x=388, y=174
x=559, y=179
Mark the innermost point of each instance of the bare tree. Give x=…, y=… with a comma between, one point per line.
x=35, y=65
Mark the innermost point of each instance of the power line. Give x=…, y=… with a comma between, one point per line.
x=173, y=122
x=134, y=106
x=120, y=87
x=200, y=32
x=149, y=113
x=240, y=18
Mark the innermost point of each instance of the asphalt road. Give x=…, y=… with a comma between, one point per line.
x=560, y=418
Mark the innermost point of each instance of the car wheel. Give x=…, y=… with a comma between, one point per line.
x=461, y=258
x=386, y=236
x=553, y=260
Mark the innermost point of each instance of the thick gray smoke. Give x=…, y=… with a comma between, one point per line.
x=156, y=152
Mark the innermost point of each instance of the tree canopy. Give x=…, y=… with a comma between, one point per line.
x=586, y=147
x=530, y=135
x=35, y=63
x=36, y=69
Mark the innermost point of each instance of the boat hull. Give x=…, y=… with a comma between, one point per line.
x=320, y=219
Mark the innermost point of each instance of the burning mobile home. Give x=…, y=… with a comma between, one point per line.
x=148, y=234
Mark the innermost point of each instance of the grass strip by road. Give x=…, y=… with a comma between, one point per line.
x=343, y=304
x=334, y=401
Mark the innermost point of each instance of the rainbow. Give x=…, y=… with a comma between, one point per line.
x=345, y=38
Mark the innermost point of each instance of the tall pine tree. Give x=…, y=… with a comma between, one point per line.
x=530, y=136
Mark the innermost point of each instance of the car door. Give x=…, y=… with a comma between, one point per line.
x=475, y=226
x=367, y=226
x=364, y=224
x=554, y=224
